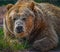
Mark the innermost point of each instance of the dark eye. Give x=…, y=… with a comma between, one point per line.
x=14, y=19
x=23, y=19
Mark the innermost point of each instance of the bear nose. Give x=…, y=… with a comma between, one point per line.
x=19, y=29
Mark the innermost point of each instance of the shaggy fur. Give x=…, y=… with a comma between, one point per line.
x=40, y=27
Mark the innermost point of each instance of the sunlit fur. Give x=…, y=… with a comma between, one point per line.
x=23, y=13
x=40, y=27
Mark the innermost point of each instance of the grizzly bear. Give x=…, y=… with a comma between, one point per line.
x=38, y=23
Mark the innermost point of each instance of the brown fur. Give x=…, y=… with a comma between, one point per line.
x=42, y=29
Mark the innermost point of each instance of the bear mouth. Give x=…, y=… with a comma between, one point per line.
x=21, y=35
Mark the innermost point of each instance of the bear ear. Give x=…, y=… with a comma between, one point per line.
x=31, y=5
x=9, y=6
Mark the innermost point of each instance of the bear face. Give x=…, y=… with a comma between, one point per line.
x=21, y=20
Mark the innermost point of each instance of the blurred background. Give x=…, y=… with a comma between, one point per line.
x=56, y=2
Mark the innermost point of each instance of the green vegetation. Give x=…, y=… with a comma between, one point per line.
x=2, y=2
x=3, y=45
x=55, y=2
x=14, y=45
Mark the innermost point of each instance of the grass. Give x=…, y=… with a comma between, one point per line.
x=14, y=46
x=2, y=42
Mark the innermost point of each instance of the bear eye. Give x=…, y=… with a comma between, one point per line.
x=14, y=19
x=23, y=19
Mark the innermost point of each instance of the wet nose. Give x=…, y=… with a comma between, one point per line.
x=19, y=29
